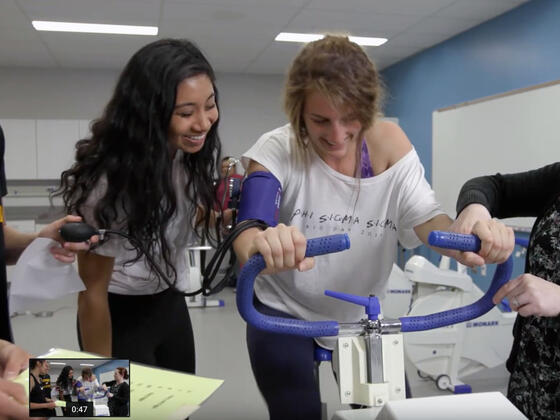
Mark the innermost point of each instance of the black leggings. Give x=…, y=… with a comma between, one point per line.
x=68, y=399
x=152, y=329
x=284, y=369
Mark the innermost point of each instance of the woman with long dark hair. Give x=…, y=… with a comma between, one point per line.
x=147, y=170
x=65, y=385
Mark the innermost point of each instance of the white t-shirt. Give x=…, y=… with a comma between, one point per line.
x=90, y=388
x=375, y=212
x=136, y=279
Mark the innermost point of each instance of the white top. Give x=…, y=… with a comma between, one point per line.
x=135, y=279
x=90, y=387
x=375, y=212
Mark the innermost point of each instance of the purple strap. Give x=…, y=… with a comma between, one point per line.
x=367, y=170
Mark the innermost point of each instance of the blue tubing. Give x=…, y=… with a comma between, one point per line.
x=466, y=313
x=245, y=284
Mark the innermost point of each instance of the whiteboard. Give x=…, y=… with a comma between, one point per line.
x=511, y=132
x=106, y=376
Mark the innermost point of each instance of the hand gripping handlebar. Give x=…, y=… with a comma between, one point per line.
x=337, y=243
x=246, y=280
x=461, y=242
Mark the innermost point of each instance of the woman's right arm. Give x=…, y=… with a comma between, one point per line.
x=93, y=304
x=283, y=247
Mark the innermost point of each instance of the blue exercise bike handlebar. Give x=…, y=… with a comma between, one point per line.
x=335, y=243
x=246, y=280
x=461, y=242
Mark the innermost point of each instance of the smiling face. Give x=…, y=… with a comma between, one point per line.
x=194, y=114
x=334, y=132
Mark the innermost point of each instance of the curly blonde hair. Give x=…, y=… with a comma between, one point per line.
x=339, y=69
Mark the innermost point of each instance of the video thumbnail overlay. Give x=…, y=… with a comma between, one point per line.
x=61, y=387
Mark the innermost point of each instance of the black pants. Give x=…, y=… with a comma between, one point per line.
x=65, y=411
x=152, y=329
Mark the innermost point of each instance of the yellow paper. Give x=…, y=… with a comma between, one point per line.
x=60, y=403
x=155, y=393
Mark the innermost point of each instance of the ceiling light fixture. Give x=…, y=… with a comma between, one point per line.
x=93, y=28
x=298, y=37
x=295, y=37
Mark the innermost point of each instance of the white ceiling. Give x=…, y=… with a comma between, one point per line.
x=55, y=370
x=237, y=35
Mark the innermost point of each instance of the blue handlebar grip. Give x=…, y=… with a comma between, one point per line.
x=245, y=284
x=327, y=244
x=451, y=240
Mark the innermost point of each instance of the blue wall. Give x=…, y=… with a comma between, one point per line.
x=517, y=49
x=111, y=366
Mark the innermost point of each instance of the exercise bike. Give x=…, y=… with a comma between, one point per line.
x=446, y=354
x=368, y=357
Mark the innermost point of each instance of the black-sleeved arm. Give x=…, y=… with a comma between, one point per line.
x=524, y=194
x=123, y=394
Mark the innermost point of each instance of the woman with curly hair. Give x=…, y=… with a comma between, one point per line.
x=65, y=385
x=147, y=170
x=340, y=168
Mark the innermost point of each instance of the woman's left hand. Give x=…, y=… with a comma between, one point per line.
x=531, y=295
x=66, y=252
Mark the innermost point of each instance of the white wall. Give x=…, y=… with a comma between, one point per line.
x=53, y=93
x=250, y=104
x=507, y=133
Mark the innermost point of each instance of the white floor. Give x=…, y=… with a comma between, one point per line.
x=220, y=353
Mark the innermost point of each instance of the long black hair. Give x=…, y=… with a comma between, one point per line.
x=62, y=381
x=129, y=145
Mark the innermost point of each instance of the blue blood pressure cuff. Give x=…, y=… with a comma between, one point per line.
x=260, y=198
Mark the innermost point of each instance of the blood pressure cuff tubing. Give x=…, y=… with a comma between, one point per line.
x=260, y=198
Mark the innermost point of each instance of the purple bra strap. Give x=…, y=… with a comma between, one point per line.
x=367, y=170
